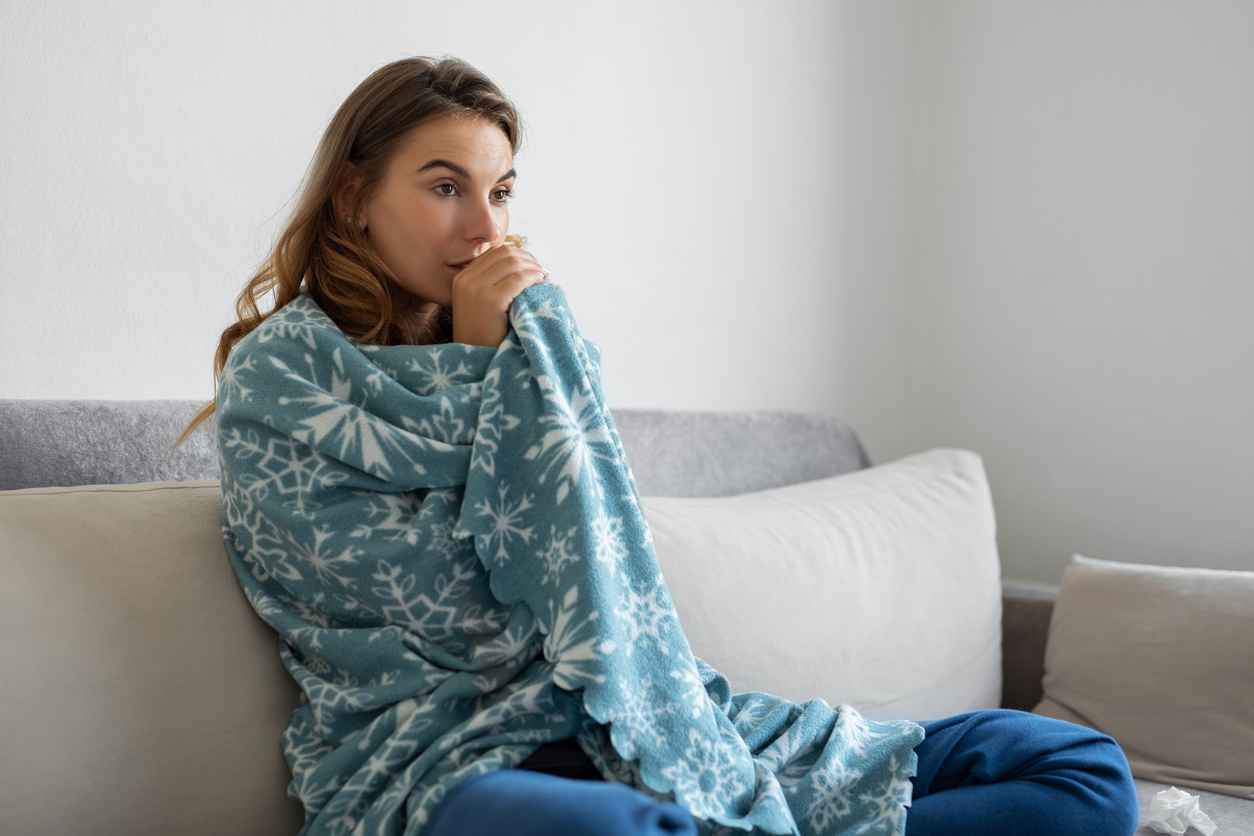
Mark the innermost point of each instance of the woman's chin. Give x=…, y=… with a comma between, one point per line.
x=435, y=292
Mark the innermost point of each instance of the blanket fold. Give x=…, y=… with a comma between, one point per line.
x=449, y=543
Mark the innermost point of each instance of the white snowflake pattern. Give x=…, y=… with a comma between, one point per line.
x=291, y=471
x=231, y=388
x=390, y=517
x=433, y=613
x=434, y=374
x=830, y=785
x=558, y=552
x=528, y=326
x=494, y=422
x=751, y=711
x=691, y=690
x=641, y=713
x=571, y=645
x=888, y=799
x=574, y=438
x=446, y=426
x=855, y=731
x=511, y=643
x=506, y=519
x=646, y=615
x=298, y=319
x=705, y=773
x=330, y=415
x=324, y=563
x=329, y=698
x=792, y=754
x=607, y=541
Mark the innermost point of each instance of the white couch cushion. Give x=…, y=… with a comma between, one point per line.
x=879, y=588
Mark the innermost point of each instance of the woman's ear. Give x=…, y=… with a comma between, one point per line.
x=342, y=199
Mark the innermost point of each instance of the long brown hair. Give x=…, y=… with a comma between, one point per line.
x=335, y=260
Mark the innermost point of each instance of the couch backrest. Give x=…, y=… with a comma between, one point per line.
x=672, y=452
x=133, y=652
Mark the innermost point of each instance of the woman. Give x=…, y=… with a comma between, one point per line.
x=398, y=239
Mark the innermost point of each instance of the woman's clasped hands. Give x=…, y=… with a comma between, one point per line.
x=484, y=289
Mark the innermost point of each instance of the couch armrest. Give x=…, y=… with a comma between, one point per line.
x=1025, y=615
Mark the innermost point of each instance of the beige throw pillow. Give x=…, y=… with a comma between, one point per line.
x=1161, y=658
x=141, y=693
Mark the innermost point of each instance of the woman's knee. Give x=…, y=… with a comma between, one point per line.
x=1119, y=804
x=1095, y=760
x=1086, y=761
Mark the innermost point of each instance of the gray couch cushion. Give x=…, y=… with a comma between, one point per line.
x=672, y=453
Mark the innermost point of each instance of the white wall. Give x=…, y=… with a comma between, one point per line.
x=1081, y=274
x=678, y=177
x=1005, y=226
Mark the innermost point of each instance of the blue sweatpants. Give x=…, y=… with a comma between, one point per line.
x=994, y=771
x=1004, y=771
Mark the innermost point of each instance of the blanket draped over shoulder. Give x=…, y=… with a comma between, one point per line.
x=449, y=543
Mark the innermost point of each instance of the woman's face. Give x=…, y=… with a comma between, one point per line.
x=427, y=215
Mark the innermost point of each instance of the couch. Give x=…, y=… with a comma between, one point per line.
x=142, y=694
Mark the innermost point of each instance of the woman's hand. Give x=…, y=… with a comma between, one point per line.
x=484, y=289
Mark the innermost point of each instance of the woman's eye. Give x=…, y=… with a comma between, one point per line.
x=508, y=194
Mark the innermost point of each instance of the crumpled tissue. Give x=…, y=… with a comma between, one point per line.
x=1174, y=810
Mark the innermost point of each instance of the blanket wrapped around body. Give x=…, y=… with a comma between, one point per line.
x=449, y=543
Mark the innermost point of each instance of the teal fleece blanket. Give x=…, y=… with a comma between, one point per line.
x=449, y=543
